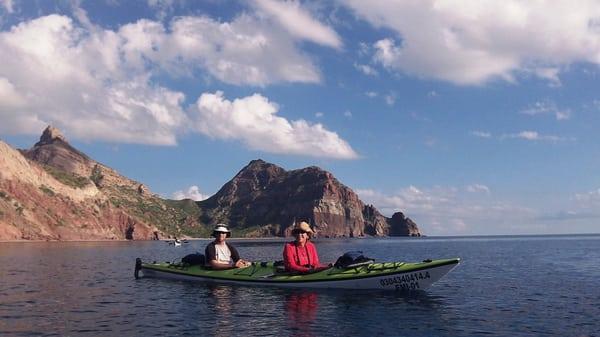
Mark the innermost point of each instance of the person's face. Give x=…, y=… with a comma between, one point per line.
x=220, y=236
x=301, y=237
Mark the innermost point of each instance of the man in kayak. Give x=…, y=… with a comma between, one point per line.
x=221, y=254
x=301, y=254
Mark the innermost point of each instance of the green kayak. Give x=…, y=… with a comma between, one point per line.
x=383, y=276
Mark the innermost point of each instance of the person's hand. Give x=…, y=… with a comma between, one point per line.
x=242, y=264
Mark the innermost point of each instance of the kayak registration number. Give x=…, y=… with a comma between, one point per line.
x=405, y=282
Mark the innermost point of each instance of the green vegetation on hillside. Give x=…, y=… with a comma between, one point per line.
x=67, y=178
x=175, y=217
x=97, y=175
x=47, y=190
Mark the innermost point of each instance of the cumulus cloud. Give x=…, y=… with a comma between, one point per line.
x=54, y=72
x=547, y=108
x=193, y=192
x=97, y=83
x=448, y=210
x=244, y=51
x=468, y=42
x=299, y=22
x=253, y=120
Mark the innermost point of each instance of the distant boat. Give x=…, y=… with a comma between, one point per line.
x=176, y=242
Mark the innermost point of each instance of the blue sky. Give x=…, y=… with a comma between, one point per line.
x=470, y=117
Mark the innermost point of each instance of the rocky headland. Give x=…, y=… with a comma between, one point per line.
x=53, y=191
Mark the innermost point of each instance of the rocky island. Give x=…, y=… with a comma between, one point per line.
x=53, y=191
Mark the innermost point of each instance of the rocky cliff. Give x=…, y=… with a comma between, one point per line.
x=264, y=199
x=53, y=191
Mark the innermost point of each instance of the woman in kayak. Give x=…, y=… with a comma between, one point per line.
x=221, y=254
x=301, y=254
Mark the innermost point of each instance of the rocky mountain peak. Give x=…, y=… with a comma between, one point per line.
x=54, y=150
x=264, y=195
x=258, y=165
x=51, y=135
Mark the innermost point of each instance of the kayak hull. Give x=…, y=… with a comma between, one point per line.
x=377, y=276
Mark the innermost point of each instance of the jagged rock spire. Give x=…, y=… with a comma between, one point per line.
x=50, y=135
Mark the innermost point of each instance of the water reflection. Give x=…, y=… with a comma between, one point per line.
x=88, y=289
x=222, y=296
x=301, y=312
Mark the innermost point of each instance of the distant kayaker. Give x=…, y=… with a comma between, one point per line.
x=221, y=254
x=301, y=254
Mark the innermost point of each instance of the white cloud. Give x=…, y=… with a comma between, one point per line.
x=371, y=94
x=97, y=83
x=348, y=114
x=477, y=188
x=448, y=211
x=57, y=73
x=8, y=6
x=547, y=107
x=364, y=49
x=319, y=114
x=193, y=192
x=472, y=42
x=163, y=7
x=299, y=22
x=534, y=136
x=551, y=74
x=244, y=51
x=481, y=134
x=366, y=69
x=253, y=120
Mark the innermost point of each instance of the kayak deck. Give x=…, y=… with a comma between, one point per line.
x=388, y=275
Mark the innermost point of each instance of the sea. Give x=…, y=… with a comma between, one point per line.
x=504, y=286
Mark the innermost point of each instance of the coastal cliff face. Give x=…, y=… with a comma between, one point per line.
x=264, y=199
x=53, y=191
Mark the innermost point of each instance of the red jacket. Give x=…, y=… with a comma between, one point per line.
x=300, y=259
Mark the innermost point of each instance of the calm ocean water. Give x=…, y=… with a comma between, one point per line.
x=505, y=286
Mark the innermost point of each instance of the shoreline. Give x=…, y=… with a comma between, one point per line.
x=270, y=238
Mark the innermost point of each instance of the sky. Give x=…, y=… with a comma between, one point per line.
x=470, y=117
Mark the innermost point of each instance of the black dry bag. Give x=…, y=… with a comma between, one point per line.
x=194, y=259
x=352, y=259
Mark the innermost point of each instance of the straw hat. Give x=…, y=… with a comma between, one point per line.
x=303, y=227
x=221, y=228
